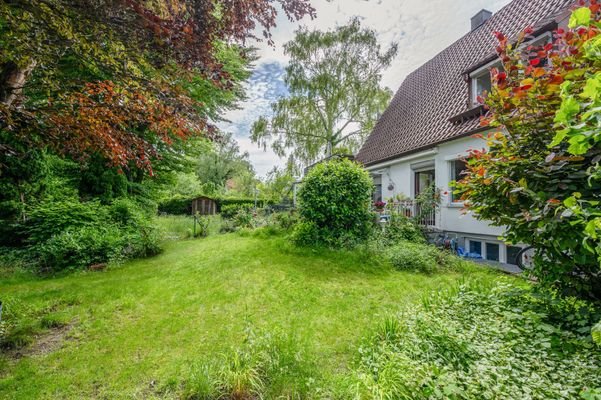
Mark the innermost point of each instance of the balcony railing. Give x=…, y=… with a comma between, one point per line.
x=424, y=216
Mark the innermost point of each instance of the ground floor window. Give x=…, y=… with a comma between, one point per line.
x=512, y=254
x=493, y=252
x=423, y=181
x=490, y=251
x=475, y=247
x=377, y=193
x=458, y=168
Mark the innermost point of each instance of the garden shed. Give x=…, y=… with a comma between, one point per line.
x=204, y=206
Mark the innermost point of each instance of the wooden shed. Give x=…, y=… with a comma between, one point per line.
x=204, y=206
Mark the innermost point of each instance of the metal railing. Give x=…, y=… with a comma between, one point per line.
x=424, y=216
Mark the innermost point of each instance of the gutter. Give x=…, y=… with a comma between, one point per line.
x=432, y=152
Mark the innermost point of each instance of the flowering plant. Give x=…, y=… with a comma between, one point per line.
x=379, y=205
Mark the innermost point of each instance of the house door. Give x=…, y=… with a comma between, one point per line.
x=423, y=180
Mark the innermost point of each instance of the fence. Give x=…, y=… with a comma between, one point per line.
x=424, y=215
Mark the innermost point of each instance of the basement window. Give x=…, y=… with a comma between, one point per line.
x=490, y=251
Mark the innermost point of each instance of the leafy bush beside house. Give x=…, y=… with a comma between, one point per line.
x=400, y=228
x=542, y=180
x=418, y=257
x=334, y=205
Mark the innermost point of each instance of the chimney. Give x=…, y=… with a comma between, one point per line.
x=480, y=18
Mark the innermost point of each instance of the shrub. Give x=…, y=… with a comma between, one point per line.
x=54, y=217
x=305, y=233
x=408, y=256
x=479, y=343
x=70, y=234
x=400, y=228
x=285, y=220
x=127, y=212
x=230, y=211
x=228, y=226
x=542, y=180
x=334, y=204
x=80, y=247
x=244, y=218
x=228, y=201
x=141, y=242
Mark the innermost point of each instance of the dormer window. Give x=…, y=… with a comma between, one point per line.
x=480, y=79
x=537, y=44
x=481, y=86
x=481, y=82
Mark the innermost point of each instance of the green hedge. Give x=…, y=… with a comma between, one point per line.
x=183, y=205
x=176, y=206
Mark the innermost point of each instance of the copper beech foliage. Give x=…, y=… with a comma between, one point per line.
x=540, y=176
x=122, y=126
x=116, y=78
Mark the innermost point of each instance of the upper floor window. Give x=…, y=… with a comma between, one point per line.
x=480, y=79
x=481, y=82
x=536, y=45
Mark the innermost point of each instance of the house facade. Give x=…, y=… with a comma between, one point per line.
x=433, y=121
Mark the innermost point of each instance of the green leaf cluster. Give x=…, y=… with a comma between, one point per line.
x=334, y=203
x=482, y=343
x=335, y=97
x=541, y=176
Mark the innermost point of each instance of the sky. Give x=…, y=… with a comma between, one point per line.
x=422, y=28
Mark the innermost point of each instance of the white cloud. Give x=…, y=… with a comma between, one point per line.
x=421, y=28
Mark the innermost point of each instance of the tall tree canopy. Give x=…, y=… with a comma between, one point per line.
x=225, y=162
x=121, y=78
x=335, y=94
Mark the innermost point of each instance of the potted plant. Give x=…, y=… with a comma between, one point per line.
x=379, y=206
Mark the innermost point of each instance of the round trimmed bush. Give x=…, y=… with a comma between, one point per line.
x=334, y=205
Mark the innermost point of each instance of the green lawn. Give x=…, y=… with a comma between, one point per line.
x=138, y=326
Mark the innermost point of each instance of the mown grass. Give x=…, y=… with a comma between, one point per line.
x=140, y=329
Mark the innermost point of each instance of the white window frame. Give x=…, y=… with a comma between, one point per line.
x=451, y=170
x=534, y=42
x=483, y=242
x=479, y=73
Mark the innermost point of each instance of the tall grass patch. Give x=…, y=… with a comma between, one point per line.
x=271, y=365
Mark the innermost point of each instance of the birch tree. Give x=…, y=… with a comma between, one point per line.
x=335, y=96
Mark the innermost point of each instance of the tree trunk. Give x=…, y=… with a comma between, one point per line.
x=12, y=81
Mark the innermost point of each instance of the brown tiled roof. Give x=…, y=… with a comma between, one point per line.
x=418, y=116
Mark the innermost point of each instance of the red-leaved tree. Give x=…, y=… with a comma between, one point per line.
x=541, y=178
x=116, y=77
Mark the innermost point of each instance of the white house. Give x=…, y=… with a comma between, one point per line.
x=432, y=121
